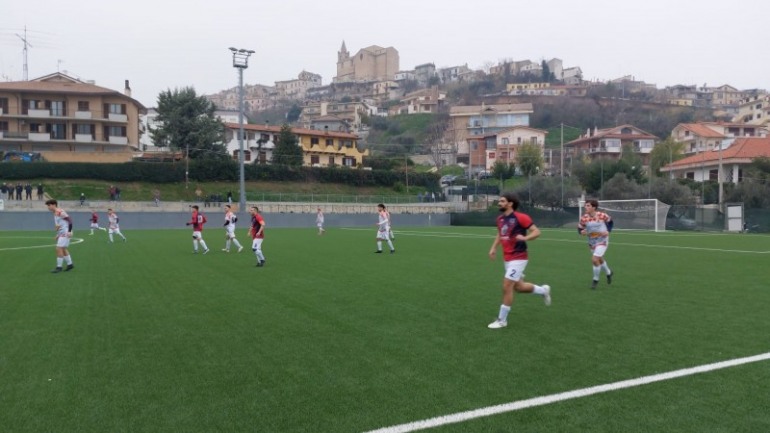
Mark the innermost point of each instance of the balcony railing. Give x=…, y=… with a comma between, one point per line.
x=117, y=117
x=16, y=135
x=38, y=113
x=82, y=114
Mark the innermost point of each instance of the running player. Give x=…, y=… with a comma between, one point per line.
x=257, y=233
x=112, y=217
x=230, y=220
x=197, y=222
x=63, y=226
x=597, y=226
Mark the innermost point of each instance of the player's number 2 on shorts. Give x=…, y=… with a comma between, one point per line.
x=512, y=274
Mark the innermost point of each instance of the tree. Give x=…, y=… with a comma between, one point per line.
x=293, y=114
x=287, y=151
x=529, y=159
x=187, y=122
x=664, y=153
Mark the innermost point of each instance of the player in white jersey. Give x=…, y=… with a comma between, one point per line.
x=597, y=226
x=112, y=217
x=390, y=226
x=63, y=225
x=230, y=220
x=319, y=221
x=383, y=229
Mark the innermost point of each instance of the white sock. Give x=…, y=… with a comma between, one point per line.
x=203, y=244
x=504, y=310
x=195, y=245
x=390, y=244
x=237, y=244
x=538, y=290
x=606, y=268
x=111, y=237
x=59, y=261
x=597, y=270
x=379, y=245
x=227, y=245
x=68, y=259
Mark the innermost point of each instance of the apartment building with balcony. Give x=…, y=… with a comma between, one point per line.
x=612, y=142
x=704, y=136
x=68, y=120
x=503, y=146
x=320, y=148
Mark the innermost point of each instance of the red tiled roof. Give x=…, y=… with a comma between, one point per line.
x=701, y=130
x=613, y=133
x=61, y=87
x=743, y=148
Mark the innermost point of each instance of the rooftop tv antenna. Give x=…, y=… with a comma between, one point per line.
x=26, y=44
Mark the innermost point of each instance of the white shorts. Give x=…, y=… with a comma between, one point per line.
x=115, y=230
x=383, y=235
x=94, y=225
x=256, y=244
x=599, y=250
x=197, y=235
x=62, y=242
x=514, y=270
x=230, y=232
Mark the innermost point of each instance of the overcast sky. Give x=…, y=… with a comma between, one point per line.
x=159, y=45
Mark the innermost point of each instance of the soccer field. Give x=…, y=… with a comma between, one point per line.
x=145, y=336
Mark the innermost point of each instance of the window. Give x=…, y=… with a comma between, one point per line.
x=518, y=140
x=331, y=160
x=690, y=175
x=313, y=140
x=505, y=140
x=84, y=129
x=58, y=131
x=3, y=126
x=474, y=145
x=314, y=159
x=57, y=108
x=713, y=175
x=117, y=108
x=329, y=142
x=83, y=106
x=116, y=131
x=4, y=105
x=533, y=140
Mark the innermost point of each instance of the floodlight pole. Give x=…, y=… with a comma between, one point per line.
x=241, y=62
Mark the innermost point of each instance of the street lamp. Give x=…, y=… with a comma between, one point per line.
x=241, y=62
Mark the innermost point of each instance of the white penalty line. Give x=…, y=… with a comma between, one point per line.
x=548, y=399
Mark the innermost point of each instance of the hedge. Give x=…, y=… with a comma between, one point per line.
x=209, y=170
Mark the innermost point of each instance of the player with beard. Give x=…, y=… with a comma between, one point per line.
x=514, y=229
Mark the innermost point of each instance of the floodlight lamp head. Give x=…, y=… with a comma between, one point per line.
x=233, y=49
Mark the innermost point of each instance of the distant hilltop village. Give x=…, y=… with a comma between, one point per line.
x=371, y=82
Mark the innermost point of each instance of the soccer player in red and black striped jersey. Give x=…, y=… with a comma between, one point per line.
x=514, y=229
x=197, y=221
x=257, y=233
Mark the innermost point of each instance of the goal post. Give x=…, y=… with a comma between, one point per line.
x=640, y=214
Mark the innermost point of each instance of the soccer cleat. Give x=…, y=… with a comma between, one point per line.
x=393, y=251
x=547, y=295
x=594, y=283
x=497, y=324
x=240, y=249
x=69, y=268
x=91, y=234
x=206, y=251
x=225, y=250
x=260, y=264
x=609, y=276
x=56, y=271
x=195, y=252
x=378, y=252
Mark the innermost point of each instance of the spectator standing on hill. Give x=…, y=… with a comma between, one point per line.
x=257, y=233
x=597, y=226
x=112, y=217
x=230, y=197
x=117, y=193
x=28, y=191
x=63, y=226
x=19, y=189
x=10, y=191
x=3, y=190
x=82, y=199
x=383, y=229
x=197, y=221
x=40, y=191
x=230, y=220
x=514, y=229
x=156, y=197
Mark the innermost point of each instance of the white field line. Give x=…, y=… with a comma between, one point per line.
x=580, y=241
x=73, y=241
x=569, y=395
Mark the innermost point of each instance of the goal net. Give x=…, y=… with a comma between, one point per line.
x=641, y=214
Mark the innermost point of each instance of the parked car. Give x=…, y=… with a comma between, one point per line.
x=447, y=179
x=484, y=174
